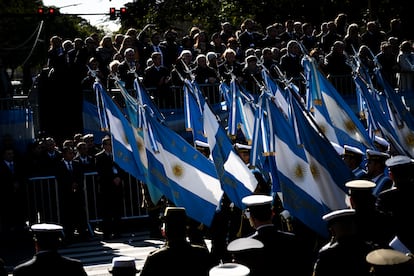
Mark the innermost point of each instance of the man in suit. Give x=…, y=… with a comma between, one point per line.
x=50, y=157
x=249, y=37
x=86, y=160
x=12, y=196
x=158, y=76
x=110, y=181
x=47, y=260
x=69, y=176
x=129, y=68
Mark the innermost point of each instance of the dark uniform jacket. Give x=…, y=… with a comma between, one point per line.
x=50, y=263
x=343, y=257
x=181, y=258
x=281, y=251
x=398, y=207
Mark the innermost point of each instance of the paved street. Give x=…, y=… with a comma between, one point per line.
x=96, y=254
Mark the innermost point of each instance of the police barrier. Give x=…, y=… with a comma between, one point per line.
x=44, y=206
x=42, y=195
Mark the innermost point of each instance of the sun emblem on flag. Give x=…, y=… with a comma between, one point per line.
x=314, y=171
x=178, y=170
x=349, y=125
x=125, y=139
x=298, y=171
x=140, y=145
x=409, y=139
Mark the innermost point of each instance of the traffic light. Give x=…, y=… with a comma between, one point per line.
x=123, y=13
x=112, y=13
x=40, y=11
x=51, y=11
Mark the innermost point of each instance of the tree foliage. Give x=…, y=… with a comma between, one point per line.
x=206, y=14
x=27, y=33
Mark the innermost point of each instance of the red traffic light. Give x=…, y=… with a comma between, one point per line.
x=112, y=13
x=40, y=11
x=123, y=12
x=51, y=11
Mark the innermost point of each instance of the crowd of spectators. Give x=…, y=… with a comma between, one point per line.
x=163, y=59
x=211, y=58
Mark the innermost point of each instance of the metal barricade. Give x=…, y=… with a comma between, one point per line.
x=44, y=206
x=133, y=198
x=344, y=84
x=91, y=192
x=43, y=200
x=131, y=204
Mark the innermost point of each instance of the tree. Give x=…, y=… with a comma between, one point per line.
x=182, y=14
x=28, y=33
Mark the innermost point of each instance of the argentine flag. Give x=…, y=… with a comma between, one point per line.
x=125, y=140
x=330, y=111
x=311, y=175
x=185, y=176
x=236, y=178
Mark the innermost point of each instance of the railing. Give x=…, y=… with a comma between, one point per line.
x=42, y=195
x=43, y=201
x=15, y=102
x=343, y=83
x=174, y=99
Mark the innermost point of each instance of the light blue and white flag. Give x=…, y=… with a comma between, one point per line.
x=262, y=154
x=380, y=118
x=236, y=178
x=128, y=146
x=127, y=140
x=330, y=111
x=145, y=100
x=241, y=113
x=400, y=117
x=185, y=176
x=311, y=175
x=193, y=113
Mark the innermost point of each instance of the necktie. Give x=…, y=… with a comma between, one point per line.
x=11, y=166
x=158, y=49
x=70, y=166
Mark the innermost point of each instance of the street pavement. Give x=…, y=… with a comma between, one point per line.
x=95, y=254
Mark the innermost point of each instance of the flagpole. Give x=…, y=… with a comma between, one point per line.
x=287, y=84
